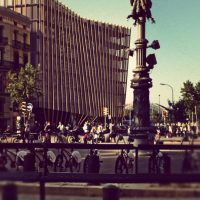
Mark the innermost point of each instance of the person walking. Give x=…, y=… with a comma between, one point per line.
x=61, y=128
x=47, y=132
x=112, y=134
x=98, y=132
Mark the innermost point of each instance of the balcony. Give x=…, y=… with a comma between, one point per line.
x=3, y=41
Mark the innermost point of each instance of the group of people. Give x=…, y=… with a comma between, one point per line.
x=96, y=132
x=176, y=129
x=92, y=132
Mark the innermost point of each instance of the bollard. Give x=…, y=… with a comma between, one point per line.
x=110, y=192
x=167, y=164
x=42, y=190
x=9, y=192
x=93, y=164
x=29, y=162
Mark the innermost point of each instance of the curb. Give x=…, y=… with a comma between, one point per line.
x=130, y=190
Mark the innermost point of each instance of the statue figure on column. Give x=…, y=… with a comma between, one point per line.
x=141, y=8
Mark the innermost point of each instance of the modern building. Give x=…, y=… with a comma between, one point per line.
x=14, y=52
x=84, y=63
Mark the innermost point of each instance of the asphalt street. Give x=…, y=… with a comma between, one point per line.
x=108, y=158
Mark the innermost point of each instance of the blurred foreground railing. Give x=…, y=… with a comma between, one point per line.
x=45, y=176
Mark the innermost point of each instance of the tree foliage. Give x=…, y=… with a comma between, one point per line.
x=190, y=99
x=179, y=111
x=23, y=85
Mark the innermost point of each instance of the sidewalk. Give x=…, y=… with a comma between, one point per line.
x=126, y=190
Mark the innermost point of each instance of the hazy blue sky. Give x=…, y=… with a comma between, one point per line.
x=177, y=28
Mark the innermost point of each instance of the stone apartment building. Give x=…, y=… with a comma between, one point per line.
x=14, y=53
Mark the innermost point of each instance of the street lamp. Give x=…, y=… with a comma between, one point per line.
x=159, y=110
x=141, y=82
x=154, y=45
x=172, y=91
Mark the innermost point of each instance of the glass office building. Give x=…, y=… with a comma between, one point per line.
x=84, y=62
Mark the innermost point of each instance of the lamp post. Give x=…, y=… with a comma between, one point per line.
x=171, y=90
x=141, y=82
x=159, y=110
x=172, y=117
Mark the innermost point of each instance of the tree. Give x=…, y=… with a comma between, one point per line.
x=191, y=95
x=23, y=85
x=188, y=102
x=188, y=94
x=179, y=110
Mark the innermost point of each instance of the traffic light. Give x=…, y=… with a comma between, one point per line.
x=23, y=107
x=105, y=111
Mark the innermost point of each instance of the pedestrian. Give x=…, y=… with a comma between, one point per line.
x=93, y=134
x=120, y=138
x=113, y=134
x=47, y=132
x=61, y=128
x=8, y=129
x=157, y=137
x=26, y=132
x=98, y=132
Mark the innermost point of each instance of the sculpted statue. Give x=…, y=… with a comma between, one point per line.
x=141, y=8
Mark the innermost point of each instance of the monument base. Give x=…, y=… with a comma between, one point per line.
x=143, y=135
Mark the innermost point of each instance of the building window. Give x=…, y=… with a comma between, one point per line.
x=1, y=106
x=1, y=33
x=2, y=82
x=15, y=35
x=16, y=60
x=25, y=38
x=1, y=56
x=25, y=59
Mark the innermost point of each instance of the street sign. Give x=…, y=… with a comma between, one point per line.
x=29, y=107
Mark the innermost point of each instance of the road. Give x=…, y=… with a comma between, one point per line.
x=48, y=197
x=109, y=157
x=108, y=165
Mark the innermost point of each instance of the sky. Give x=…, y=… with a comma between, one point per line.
x=178, y=30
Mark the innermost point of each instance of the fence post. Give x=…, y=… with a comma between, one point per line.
x=42, y=190
x=136, y=160
x=45, y=160
x=9, y=192
x=110, y=192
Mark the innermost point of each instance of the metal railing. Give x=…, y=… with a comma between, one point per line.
x=44, y=176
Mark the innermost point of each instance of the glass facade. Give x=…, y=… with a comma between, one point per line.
x=84, y=62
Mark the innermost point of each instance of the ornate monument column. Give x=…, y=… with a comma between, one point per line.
x=141, y=82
